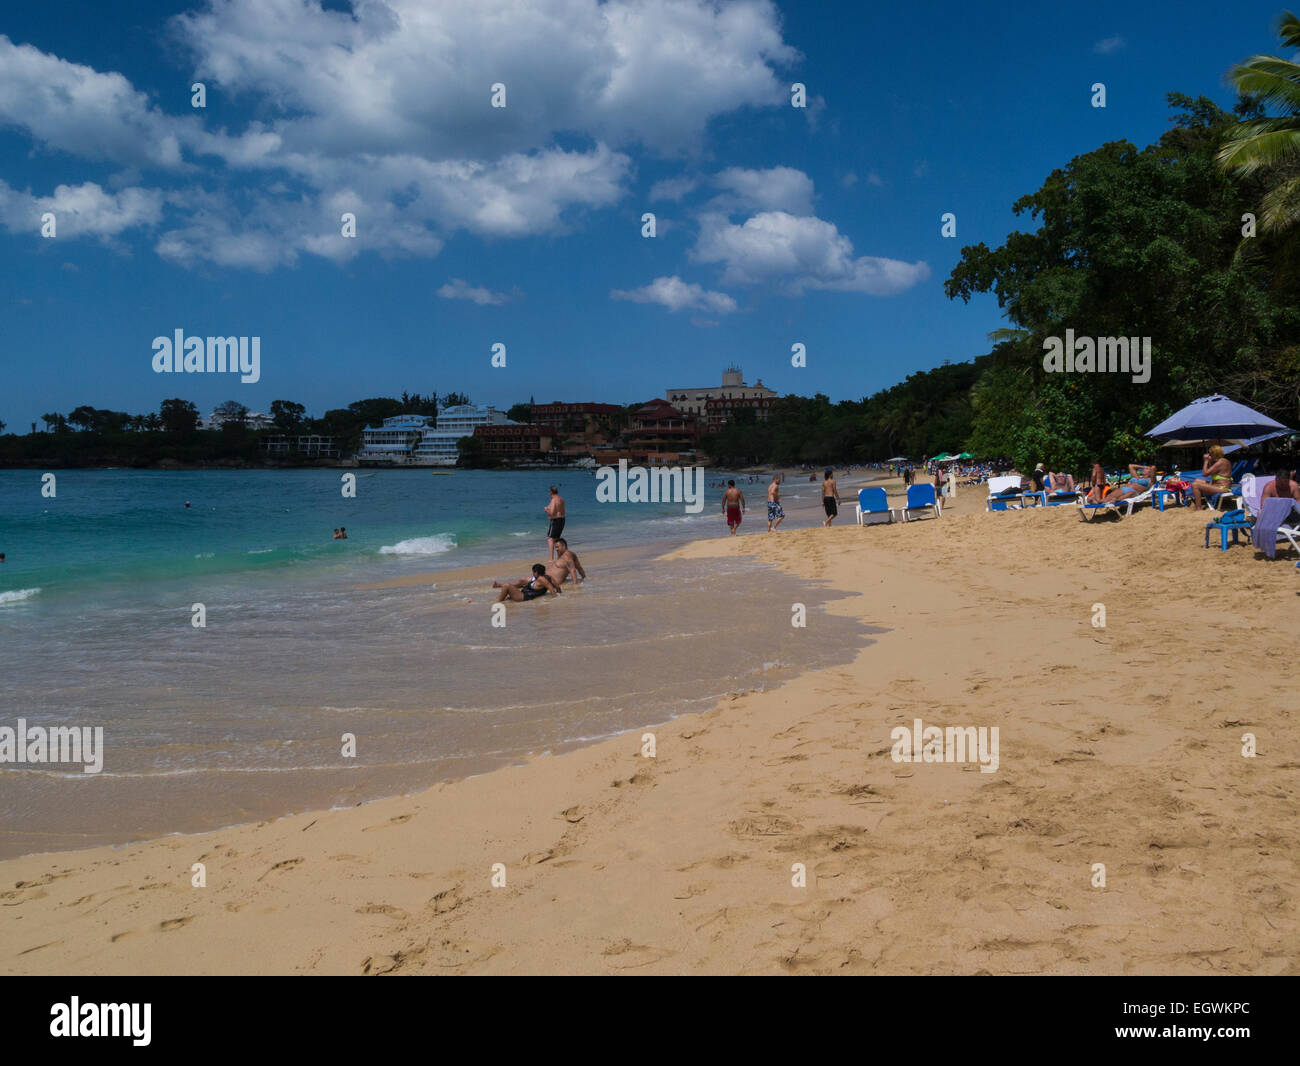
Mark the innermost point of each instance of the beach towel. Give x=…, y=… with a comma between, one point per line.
x=1272, y=514
x=1251, y=489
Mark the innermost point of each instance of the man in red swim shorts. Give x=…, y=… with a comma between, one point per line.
x=733, y=505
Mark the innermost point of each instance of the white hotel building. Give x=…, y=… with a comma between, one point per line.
x=415, y=440
x=694, y=399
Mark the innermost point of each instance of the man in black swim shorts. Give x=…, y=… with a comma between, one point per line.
x=830, y=497
x=554, y=528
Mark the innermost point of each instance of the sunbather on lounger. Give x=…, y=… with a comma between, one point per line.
x=1116, y=493
x=1142, y=475
x=1216, y=477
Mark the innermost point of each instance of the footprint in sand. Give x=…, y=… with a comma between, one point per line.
x=391, y=822
x=445, y=901
x=624, y=955
x=174, y=923
x=396, y=913
x=287, y=864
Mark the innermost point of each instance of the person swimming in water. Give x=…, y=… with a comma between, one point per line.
x=526, y=589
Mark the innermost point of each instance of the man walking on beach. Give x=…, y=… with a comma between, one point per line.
x=555, y=512
x=733, y=506
x=830, y=497
x=775, y=513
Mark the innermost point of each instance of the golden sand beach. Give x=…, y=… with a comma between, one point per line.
x=1119, y=746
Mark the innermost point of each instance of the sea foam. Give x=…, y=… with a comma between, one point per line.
x=17, y=595
x=435, y=545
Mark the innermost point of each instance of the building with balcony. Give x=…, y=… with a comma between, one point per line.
x=695, y=399
x=659, y=433
x=514, y=440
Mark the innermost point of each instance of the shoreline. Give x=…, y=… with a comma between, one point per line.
x=681, y=863
x=227, y=793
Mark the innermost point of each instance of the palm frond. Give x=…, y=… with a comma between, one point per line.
x=1274, y=80
x=1260, y=144
x=1289, y=30
x=1281, y=206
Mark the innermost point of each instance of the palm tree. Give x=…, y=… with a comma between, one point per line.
x=1270, y=146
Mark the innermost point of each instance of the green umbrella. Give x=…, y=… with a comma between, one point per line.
x=938, y=458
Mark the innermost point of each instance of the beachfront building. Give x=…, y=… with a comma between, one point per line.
x=694, y=400
x=437, y=445
x=421, y=440
x=660, y=434
x=394, y=441
x=579, y=429
x=303, y=445
x=514, y=440
x=253, y=420
x=571, y=418
x=718, y=412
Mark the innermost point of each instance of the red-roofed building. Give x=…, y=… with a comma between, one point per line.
x=659, y=433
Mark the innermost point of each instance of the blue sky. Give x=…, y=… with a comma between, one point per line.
x=522, y=225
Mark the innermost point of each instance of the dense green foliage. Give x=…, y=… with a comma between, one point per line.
x=927, y=413
x=1131, y=243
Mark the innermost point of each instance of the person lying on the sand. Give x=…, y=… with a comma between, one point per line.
x=526, y=589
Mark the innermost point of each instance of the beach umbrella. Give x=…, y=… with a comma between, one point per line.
x=964, y=455
x=897, y=459
x=1257, y=440
x=938, y=458
x=1212, y=418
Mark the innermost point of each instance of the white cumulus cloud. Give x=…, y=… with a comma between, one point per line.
x=677, y=295
x=801, y=252
x=460, y=289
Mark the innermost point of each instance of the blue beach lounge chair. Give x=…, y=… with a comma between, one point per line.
x=920, y=498
x=873, y=507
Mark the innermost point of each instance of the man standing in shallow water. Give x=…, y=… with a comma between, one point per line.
x=554, y=528
x=733, y=506
x=775, y=512
x=830, y=497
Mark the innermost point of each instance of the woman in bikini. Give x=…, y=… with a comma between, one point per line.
x=1097, y=487
x=1142, y=475
x=1216, y=477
